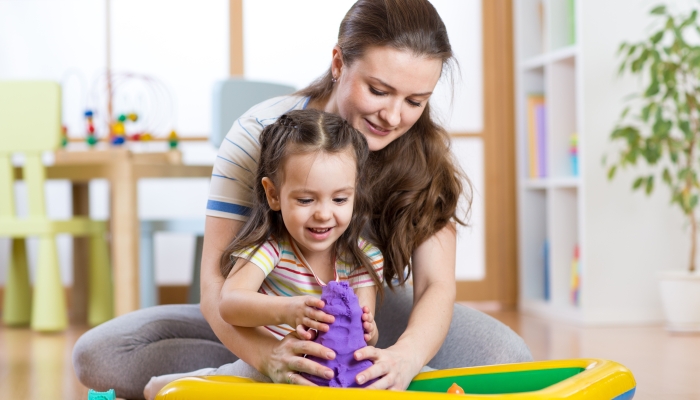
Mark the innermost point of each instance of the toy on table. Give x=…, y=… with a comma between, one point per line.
x=108, y=395
x=132, y=105
x=90, y=128
x=64, y=136
x=118, y=133
x=119, y=128
x=580, y=379
x=344, y=337
x=173, y=140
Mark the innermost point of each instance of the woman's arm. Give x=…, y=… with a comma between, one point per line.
x=433, y=300
x=255, y=346
x=367, y=297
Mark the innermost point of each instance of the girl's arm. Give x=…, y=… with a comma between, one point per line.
x=433, y=300
x=242, y=305
x=368, y=298
x=255, y=346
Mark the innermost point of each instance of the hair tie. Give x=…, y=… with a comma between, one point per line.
x=287, y=122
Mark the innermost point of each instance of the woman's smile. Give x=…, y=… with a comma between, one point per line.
x=377, y=130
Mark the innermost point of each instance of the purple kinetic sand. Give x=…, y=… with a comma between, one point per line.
x=344, y=337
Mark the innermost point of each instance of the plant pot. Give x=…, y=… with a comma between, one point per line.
x=680, y=298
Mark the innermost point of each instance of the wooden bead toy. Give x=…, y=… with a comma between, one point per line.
x=172, y=139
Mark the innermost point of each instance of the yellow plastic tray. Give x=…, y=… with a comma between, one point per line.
x=563, y=379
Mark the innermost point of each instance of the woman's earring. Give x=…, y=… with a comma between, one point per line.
x=334, y=80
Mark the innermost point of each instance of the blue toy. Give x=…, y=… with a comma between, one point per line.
x=108, y=395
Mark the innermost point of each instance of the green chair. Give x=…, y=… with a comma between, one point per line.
x=30, y=123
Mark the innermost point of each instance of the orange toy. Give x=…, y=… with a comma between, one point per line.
x=455, y=389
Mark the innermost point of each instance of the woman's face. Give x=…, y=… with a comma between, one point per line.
x=383, y=93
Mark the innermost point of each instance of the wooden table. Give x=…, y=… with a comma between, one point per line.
x=122, y=168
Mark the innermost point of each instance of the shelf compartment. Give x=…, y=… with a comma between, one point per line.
x=561, y=116
x=530, y=27
x=564, y=54
x=533, y=234
x=563, y=231
x=572, y=182
x=561, y=23
x=532, y=83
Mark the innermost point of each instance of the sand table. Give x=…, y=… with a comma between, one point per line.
x=344, y=337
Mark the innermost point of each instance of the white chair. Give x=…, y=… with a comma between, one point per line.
x=231, y=98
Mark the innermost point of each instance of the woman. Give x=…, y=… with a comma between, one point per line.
x=384, y=68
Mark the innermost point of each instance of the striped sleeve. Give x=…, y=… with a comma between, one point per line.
x=266, y=257
x=360, y=277
x=236, y=164
x=231, y=189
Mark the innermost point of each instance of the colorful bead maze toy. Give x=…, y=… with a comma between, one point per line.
x=90, y=127
x=129, y=92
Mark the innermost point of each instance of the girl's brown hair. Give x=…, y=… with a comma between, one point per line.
x=416, y=183
x=303, y=132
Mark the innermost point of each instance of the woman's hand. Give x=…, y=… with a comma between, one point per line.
x=286, y=361
x=369, y=326
x=304, y=313
x=395, y=367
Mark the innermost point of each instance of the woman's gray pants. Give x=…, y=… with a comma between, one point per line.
x=124, y=353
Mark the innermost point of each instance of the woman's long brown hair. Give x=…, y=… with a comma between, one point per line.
x=416, y=184
x=303, y=132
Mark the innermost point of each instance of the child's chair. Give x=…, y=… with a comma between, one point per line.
x=30, y=123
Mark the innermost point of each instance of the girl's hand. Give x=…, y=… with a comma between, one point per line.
x=287, y=360
x=393, y=366
x=370, y=327
x=304, y=313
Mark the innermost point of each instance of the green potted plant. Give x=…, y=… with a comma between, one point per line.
x=660, y=128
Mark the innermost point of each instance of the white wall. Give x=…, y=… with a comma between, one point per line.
x=183, y=43
x=62, y=41
x=628, y=236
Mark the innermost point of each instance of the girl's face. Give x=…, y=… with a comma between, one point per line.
x=316, y=199
x=383, y=93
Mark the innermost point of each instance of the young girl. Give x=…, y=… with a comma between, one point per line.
x=304, y=231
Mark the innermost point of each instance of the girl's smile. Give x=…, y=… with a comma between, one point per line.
x=319, y=233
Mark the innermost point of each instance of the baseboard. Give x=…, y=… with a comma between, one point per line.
x=166, y=295
x=67, y=291
x=173, y=294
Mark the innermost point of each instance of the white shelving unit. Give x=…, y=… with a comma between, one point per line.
x=547, y=64
x=624, y=238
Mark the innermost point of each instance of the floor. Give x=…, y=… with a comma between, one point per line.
x=665, y=366
x=38, y=366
